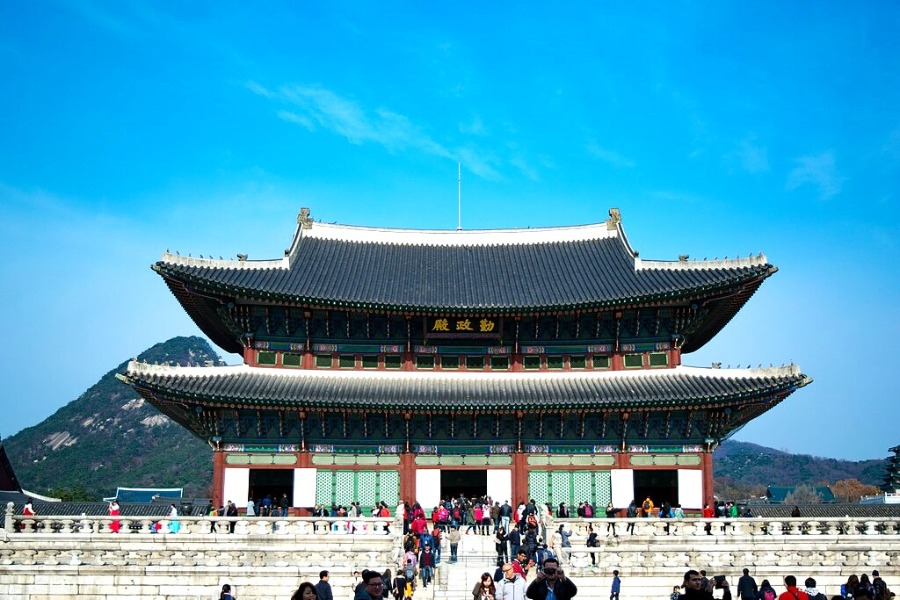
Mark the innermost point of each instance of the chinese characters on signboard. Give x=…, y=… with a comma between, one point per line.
x=462, y=327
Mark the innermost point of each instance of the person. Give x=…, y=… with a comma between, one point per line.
x=879, y=587
x=426, y=564
x=28, y=510
x=174, y=523
x=847, y=588
x=747, y=587
x=370, y=590
x=512, y=586
x=453, y=537
x=231, y=511
x=616, y=586
x=766, y=591
x=485, y=588
x=647, y=507
x=694, y=588
x=499, y=545
x=862, y=593
x=116, y=525
x=398, y=589
x=284, y=504
x=792, y=593
x=631, y=513
x=611, y=514
x=795, y=512
x=811, y=590
x=676, y=592
x=552, y=582
x=226, y=593
x=592, y=542
x=251, y=508
x=515, y=541
x=505, y=514
x=323, y=588
x=386, y=579
x=306, y=591
x=866, y=584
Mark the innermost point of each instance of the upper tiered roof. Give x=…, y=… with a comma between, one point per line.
x=488, y=272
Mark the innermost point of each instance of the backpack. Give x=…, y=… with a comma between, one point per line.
x=588, y=511
x=768, y=594
x=409, y=572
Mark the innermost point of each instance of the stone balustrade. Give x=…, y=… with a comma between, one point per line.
x=81, y=557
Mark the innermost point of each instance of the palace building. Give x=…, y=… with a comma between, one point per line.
x=390, y=365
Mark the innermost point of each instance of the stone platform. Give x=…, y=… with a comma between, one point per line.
x=62, y=558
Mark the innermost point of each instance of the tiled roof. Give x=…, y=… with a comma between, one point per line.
x=248, y=386
x=827, y=510
x=503, y=271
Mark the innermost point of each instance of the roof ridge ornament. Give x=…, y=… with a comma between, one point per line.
x=303, y=219
x=614, y=220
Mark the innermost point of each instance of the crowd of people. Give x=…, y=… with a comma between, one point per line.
x=697, y=586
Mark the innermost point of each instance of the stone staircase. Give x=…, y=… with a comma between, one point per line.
x=477, y=555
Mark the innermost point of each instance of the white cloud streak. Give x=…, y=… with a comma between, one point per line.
x=818, y=171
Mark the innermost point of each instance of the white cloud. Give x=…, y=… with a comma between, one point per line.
x=609, y=156
x=819, y=171
x=315, y=107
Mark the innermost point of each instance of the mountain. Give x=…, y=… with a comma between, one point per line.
x=110, y=437
x=743, y=463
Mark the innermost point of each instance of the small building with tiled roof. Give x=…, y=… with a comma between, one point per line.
x=389, y=365
x=778, y=494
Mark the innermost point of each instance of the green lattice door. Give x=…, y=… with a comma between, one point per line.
x=366, y=487
x=571, y=487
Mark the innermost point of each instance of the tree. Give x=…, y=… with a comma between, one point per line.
x=851, y=490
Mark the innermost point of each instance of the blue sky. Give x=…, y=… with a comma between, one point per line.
x=719, y=129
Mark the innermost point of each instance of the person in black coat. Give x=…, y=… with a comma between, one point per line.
x=551, y=577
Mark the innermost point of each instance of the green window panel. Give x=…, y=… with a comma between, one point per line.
x=323, y=361
x=266, y=358
x=449, y=362
x=659, y=359
x=555, y=362
x=475, y=362
x=291, y=359
x=531, y=363
x=370, y=361
x=601, y=362
x=577, y=362
x=393, y=361
x=634, y=361
x=499, y=363
x=347, y=361
x=425, y=362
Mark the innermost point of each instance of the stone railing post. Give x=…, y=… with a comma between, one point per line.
x=8, y=517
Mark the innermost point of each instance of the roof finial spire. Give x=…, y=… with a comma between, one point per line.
x=459, y=196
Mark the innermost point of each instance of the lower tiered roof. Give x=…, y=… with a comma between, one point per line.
x=734, y=395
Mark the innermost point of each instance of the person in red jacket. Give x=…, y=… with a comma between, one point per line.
x=792, y=593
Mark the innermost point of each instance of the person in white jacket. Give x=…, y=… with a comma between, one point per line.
x=512, y=586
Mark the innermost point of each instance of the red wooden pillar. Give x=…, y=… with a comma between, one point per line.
x=407, y=477
x=707, y=466
x=218, y=485
x=519, y=478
